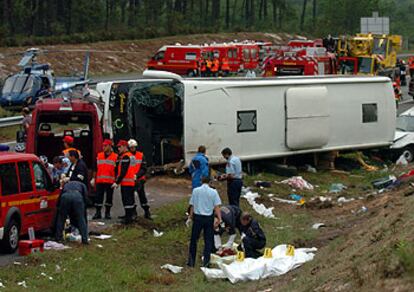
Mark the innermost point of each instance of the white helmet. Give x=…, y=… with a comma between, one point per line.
x=132, y=143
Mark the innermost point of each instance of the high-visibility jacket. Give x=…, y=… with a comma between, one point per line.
x=215, y=66
x=106, y=168
x=203, y=67
x=129, y=178
x=209, y=64
x=136, y=162
x=66, y=151
x=225, y=65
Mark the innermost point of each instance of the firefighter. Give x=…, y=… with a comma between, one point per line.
x=215, y=67
x=209, y=64
x=125, y=177
x=225, y=67
x=252, y=235
x=104, y=178
x=203, y=67
x=140, y=170
x=68, y=144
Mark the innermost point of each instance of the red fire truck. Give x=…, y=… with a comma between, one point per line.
x=224, y=50
x=182, y=60
x=301, y=58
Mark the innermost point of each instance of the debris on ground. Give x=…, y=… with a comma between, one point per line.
x=102, y=236
x=172, y=268
x=384, y=182
x=281, y=262
x=263, y=184
x=1, y=285
x=320, y=202
x=22, y=283
x=366, y=166
x=293, y=202
x=157, y=234
x=337, y=188
x=298, y=198
x=344, y=200
x=259, y=208
x=310, y=169
x=297, y=182
x=318, y=225
x=53, y=245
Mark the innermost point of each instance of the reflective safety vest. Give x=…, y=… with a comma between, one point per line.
x=129, y=178
x=136, y=162
x=225, y=65
x=66, y=152
x=106, y=168
x=203, y=67
x=208, y=64
x=215, y=66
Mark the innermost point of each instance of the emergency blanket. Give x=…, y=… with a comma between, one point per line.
x=259, y=208
x=298, y=182
x=261, y=268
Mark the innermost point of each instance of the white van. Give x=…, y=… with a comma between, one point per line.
x=257, y=118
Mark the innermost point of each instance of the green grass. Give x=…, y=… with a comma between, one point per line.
x=8, y=134
x=131, y=260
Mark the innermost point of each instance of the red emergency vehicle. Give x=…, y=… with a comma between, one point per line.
x=53, y=119
x=301, y=58
x=182, y=60
x=220, y=51
x=27, y=197
x=249, y=55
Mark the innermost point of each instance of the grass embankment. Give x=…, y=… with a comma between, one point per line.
x=9, y=133
x=131, y=260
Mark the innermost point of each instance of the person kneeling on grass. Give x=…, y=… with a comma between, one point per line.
x=252, y=235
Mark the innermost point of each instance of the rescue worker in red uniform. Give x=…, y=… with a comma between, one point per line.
x=125, y=177
x=104, y=179
x=68, y=144
x=203, y=67
x=215, y=67
x=140, y=179
x=209, y=64
x=225, y=67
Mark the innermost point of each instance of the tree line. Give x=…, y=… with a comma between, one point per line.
x=51, y=21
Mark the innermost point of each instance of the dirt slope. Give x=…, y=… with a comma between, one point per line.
x=137, y=53
x=361, y=251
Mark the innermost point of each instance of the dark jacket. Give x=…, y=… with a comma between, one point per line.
x=125, y=161
x=253, y=230
x=230, y=215
x=76, y=186
x=78, y=172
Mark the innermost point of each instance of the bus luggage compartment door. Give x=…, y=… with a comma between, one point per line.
x=307, y=117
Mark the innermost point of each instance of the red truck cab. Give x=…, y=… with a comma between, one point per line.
x=249, y=54
x=182, y=60
x=53, y=119
x=221, y=51
x=27, y=198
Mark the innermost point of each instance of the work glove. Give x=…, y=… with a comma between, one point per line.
x=229, y=243
x=114, y=185
x=92, y=182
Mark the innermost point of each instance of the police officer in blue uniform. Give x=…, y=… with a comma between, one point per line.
x=204, y=203
x=253, y=237
x=233, y=176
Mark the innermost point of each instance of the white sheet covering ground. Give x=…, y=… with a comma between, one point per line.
x=261, y=268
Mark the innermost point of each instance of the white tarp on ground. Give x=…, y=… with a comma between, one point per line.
x=261, y=268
